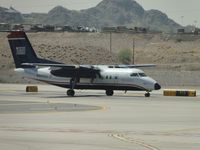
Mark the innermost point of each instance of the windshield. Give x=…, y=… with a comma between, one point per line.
x=142, y=74
x=134, y=75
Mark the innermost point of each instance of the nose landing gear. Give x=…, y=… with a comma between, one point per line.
x=147, y=94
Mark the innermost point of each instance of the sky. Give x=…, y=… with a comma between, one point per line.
x=184, y=12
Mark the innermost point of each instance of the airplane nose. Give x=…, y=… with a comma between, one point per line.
x=157, y=86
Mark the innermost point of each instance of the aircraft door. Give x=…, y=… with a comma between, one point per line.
x=134, y=78
x=116, y=79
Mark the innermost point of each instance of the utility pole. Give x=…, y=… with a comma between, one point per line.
x=133, y=54
x=182, y=17
x=110, y=41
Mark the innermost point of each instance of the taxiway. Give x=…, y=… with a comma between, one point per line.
x=50, y=120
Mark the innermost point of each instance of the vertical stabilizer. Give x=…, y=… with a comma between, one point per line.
x=22, y=50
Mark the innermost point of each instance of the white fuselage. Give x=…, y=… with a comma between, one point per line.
x=115, y=78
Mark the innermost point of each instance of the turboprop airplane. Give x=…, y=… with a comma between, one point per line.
x=98, y=77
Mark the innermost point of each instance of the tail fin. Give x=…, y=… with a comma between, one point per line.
x=22, y=50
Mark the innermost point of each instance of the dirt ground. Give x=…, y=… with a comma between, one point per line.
x=178, y=60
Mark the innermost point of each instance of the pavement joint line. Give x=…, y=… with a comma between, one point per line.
x=7, y=90
x=50, y=109
x=184, y=130
x=20, y=104
x=104, y=108
x=124, y=138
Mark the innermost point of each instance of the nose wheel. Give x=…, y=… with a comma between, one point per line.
x=147, y=94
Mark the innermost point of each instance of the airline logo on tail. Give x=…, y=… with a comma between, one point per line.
x=21, y=50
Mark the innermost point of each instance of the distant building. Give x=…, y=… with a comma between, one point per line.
x=122, y=29
x=18, y=27
x=140, y=30
x=42, y=28
x=59, y=29
x=4, y=26
x=181, y=31
x=68, y=28
x=109, y=29
x=196, y=31
x=49, y=28
x=27, y=27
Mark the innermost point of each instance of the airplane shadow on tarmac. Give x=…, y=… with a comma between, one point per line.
x=76, y=96
x=95, y=96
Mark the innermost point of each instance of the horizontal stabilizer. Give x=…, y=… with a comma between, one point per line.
x=60, y=65
x=50, y=65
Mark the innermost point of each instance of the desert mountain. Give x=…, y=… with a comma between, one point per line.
x=113, y=13
x=106, y=13
x=10, y=15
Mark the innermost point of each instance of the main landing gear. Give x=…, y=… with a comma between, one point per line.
x=71, y=91
x=109, y=92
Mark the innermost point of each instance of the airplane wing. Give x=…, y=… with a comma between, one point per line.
x=63, y=70
x=132, y=66
x=138, y=65
x=88, y=66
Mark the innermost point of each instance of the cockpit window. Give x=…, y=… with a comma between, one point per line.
x=142, y=74
x=134, y=75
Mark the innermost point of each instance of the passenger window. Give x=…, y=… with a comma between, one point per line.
x=110, y=77
x=106, y=77
x=116, y=77
x=134, y=75
x=142, y=74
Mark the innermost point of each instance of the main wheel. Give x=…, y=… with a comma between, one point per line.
x=70, y=92
x=147, y=94
x=109, y=92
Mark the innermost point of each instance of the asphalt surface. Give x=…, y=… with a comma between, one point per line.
x=50, y=120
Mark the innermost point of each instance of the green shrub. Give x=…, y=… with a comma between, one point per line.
x=125, y=56
x=179, y=40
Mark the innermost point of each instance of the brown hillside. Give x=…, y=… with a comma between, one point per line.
x=93, y=48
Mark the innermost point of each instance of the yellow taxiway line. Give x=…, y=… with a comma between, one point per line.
x=124, y=138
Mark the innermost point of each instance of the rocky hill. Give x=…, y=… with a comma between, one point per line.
x=117, y=12
x=113, y=13
x=10, y=15
x=35, y=18
x=106, y=13
x=157, y=20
